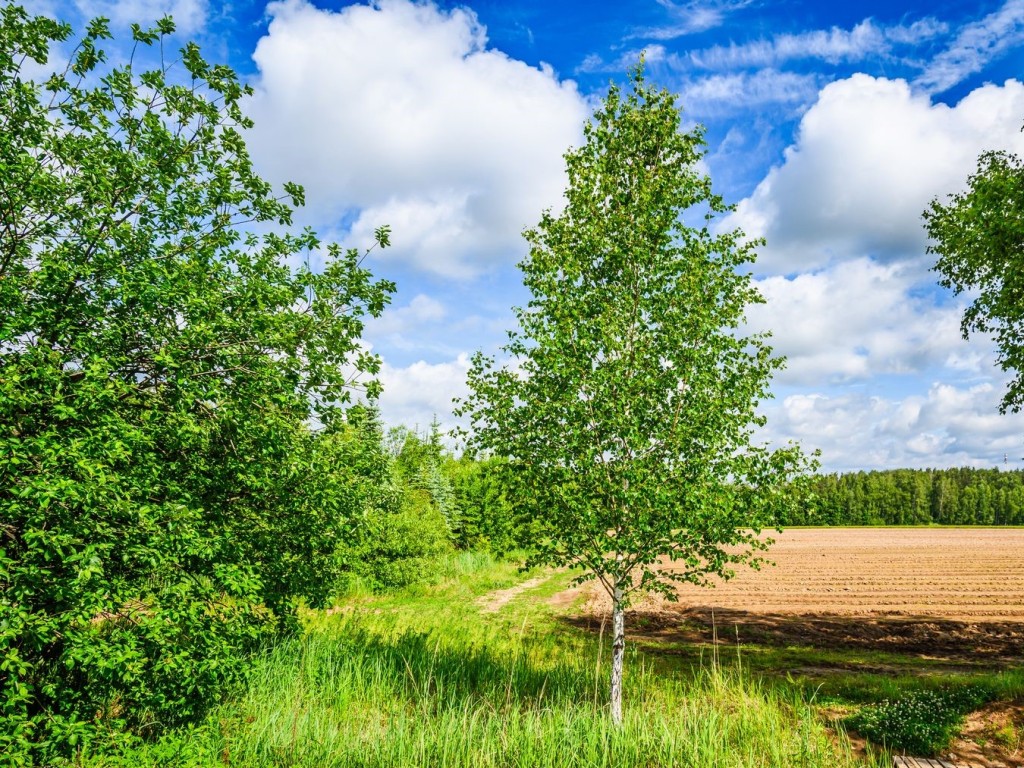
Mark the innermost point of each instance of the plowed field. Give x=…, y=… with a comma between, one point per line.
x=950, y=573
x=942, y=592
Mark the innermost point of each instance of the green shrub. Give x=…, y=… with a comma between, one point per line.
x=922, y=722
x=162, y=500
x=489, y=518
x=401, y=548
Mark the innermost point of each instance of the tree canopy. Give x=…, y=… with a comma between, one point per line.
x=960, y=496
x=164, y=351
x=627, y=407
x=978, y=236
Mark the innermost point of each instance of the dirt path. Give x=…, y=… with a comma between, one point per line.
x=498, y=599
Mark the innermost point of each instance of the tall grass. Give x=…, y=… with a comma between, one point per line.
x=350, y=698
x=428, y=681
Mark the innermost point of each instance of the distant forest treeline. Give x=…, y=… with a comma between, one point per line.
x=961, y=496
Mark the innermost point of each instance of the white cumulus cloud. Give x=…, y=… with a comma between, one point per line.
x=869, y=156
x=421, y=310
x=857, y=320
x=398, y=113
x=413, y=395
x=947, y=426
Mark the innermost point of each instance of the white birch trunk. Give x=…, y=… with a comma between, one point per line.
x=618, y=652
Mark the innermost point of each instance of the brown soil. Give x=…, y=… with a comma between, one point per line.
x=569, y=599
x=952, y=595
x=993, y=736
x=967, y=575
x=947, y=593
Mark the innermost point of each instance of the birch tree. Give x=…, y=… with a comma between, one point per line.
x=627, y=406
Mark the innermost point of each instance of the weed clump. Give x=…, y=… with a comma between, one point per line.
x=922, y=722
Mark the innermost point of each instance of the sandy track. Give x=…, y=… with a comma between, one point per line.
x=494, y=601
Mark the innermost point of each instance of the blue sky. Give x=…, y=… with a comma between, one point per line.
x=830, y=125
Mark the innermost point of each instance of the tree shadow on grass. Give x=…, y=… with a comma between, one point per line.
x=421, y=667
x=926, y=637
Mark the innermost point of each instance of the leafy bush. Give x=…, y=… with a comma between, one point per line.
x=162, y=501
x=484, y=494
x=923, y=722
x=401, y=547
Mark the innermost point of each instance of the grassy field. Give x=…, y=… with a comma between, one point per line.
x=492, y=667
x=436, y=676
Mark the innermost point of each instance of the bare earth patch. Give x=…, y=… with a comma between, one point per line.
x=968, y=575
x=951, y=593
x=496, y=600
x=993, y=736
x=954, y=595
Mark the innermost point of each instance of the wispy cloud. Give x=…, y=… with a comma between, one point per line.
x=190, y=16
x=653, y=54
x=833, y=45
x=715, y=94
x=918, y=32
x=975, y=46
x=690, y=18
x=725, y=93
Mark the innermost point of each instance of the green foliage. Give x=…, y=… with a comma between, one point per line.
x=402, y=529
x=976, y=236
x=472, y=494
x=923, y=722
x=423, y=678
x=1005, y=736
x=627, y=410
x=960, y=496
x=488, y=517
x=420, y=465
x=162, y=501
x=627, y=416
x=401, y=547
x=434, y=479
x=419, y=699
